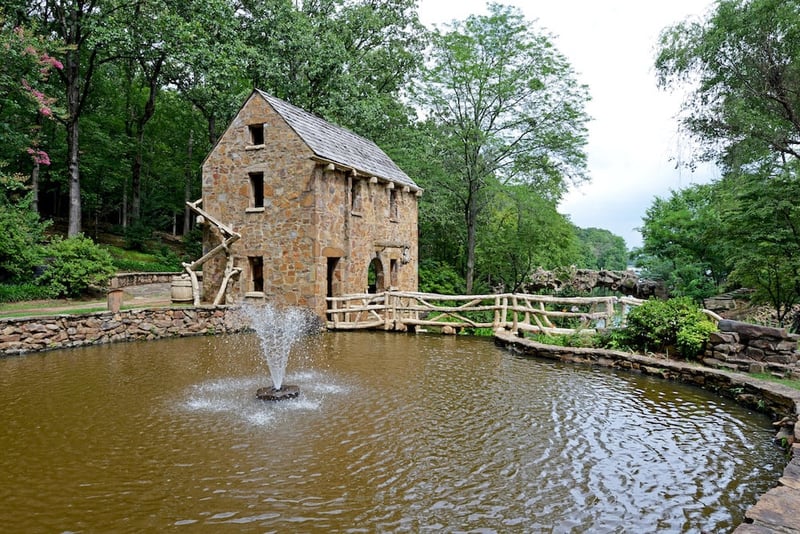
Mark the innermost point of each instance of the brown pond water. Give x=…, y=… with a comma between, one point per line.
x=391, y=433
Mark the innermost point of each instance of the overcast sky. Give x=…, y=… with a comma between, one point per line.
x=633, y=135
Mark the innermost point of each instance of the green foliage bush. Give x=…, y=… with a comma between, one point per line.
x=658, y=325
x=137, y=236
x=21, y=235
x=74, y=265
x=567, y=340
x=126, y=265
x=439, y=277
x=23, y=292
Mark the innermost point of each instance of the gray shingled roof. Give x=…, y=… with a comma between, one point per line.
x=336, y=144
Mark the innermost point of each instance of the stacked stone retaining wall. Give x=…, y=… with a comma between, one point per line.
x=751, y=348
x=33, y=334
x=123, y=280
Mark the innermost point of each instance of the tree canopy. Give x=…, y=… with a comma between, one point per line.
x=741, y=64
x=743, y=67
x=107, y=109
x=512, y=109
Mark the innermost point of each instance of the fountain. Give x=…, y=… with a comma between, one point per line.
x=278, y=329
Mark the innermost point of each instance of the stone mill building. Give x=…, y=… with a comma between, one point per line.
x=315, y=211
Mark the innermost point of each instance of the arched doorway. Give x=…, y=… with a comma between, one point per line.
x=375, y=277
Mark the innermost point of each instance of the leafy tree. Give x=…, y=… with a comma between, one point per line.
x=602, y=249
x=743, y=64
x=24, y=107
x=345, y=60
x=511, y=107
x=209, y=59
x=86, y=28
x=524, y=232
x=422, y=150
x=683, y=242
x=762, y=229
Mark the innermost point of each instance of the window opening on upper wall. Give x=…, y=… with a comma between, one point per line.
x=256, y=134
x=257, y=189
x=355, y=195
x=257, y=273
x=393, y=204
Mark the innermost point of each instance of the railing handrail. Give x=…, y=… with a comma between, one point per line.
x=395, y=309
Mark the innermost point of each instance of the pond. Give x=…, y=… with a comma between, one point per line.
x=391, y=432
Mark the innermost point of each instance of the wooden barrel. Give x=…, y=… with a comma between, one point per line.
x=181, y=289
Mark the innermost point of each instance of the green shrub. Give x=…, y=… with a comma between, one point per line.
x=21, y=238
x=441, y=278
x=612, y=339
x=124, y=265
x=137, y=236
x=658, y=325
x=75, y=264
x=693, y=336
x=23, y=292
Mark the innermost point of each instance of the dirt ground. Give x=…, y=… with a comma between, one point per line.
x=146, y=296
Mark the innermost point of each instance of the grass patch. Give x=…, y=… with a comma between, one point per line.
x=41, y=313
x=795, y=384
x=137, y=261
x=74, y=309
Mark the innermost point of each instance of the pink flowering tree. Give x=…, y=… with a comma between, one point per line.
x=26, y=67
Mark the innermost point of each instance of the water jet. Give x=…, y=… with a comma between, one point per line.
x=278, y=329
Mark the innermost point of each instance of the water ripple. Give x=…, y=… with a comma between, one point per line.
x=389, y=433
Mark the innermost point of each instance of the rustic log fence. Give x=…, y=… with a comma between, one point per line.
x=403, y=310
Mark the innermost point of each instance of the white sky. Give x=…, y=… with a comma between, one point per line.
x=633, y=135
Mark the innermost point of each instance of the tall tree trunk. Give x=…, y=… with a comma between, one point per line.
x=212, y=130
x=472, y=230
x=35, y=187
x=74, y=226
x=72, y=78
x=136, y=182
x=153, y=77
x=187, y=186
x=35, y=171
x=124, y=208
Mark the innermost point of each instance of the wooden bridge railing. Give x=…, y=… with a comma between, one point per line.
x=401, y=310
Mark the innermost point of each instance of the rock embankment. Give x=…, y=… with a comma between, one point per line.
x=752, y=348
x=33, y=334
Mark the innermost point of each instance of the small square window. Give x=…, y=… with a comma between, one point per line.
x=355, y=195
x=256, y=134
x=257, y=189
x=393, y=212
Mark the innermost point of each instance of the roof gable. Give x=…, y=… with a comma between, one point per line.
x=337, y=144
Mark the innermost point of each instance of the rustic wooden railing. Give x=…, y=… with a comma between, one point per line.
x=402, y=310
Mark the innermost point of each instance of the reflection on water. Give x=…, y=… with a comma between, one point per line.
x=391, y=432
